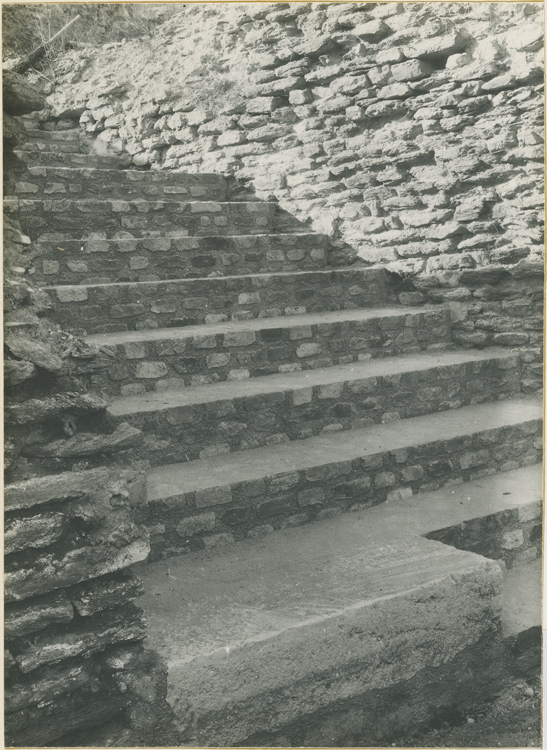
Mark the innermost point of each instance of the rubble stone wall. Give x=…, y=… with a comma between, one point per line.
x=413, y=132
x=74, y=656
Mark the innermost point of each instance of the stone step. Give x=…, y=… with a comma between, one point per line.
x=167, y=304
x=57, y=158
x=226, y=497
x=137, y=259
x=186, y=424
x=73, y=218
x=73, y=135
x=68, y=134
x=35, y=146
x=127, y=184
x=308, y=637
x=196, y=355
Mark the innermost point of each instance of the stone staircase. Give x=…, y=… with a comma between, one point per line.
x=275, y=389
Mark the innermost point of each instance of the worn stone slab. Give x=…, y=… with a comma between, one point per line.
x=56, y=487
x=280, y=635
x=248, y=656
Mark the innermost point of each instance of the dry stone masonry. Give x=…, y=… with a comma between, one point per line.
x=74, y=659
x=288, y=342
x=413, y=135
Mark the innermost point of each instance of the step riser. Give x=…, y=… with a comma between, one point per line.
x=188, y=432
x=214, y=300
x=219, y=515
x=512, y=536
x=74, y=218
x=368, y=717
x=35, y=145
x=58, y=159
x=183, y=257
x=120, y=184
x=147, y=365
x=73, y=135
x=366, y=678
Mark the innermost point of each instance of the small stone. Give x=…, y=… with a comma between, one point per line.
x=213, y=496
x=241, y=338
x=308, y=350
x=151, y=370
x=384, y=479
x=512, y=539
x=412, y=70
x=196, y=524
x=71, y=293
x=50, y=267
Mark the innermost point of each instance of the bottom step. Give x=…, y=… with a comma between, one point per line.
x=344, y=632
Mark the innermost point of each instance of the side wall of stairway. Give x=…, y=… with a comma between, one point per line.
x=74, y=659
x=412, y=131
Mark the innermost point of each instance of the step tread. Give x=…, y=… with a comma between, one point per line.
x=256, y=324
x=155, y=175
x=264, y=274
x=154, y=401
x=132, y=201
x=200, y=604
x=201, y=237
x=171, y=480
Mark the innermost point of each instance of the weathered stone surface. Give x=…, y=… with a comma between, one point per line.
x=87, y=444
x=36, y=614
x=37, y=410
x=33, y=351
x=110, y=592
x=77, y=565
x=18, y=96
x=36, y=532
x=54, y=488
x=17, y=371
x=436, y=47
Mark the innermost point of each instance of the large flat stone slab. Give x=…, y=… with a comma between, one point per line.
x=255, y=644
x=326, y=620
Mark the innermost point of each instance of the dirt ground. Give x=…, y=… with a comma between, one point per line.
x=513, y=720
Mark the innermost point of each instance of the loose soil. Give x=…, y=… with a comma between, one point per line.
x=513, y=720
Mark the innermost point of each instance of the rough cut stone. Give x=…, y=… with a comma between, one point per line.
x=19, y=97
x=37, y=410
x=88, y=444
x=33, y=351
x=28, y=617
x=413, y=70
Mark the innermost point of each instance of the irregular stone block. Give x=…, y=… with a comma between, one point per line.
x=413, y=70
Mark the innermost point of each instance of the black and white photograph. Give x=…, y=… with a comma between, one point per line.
x=273, y=368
